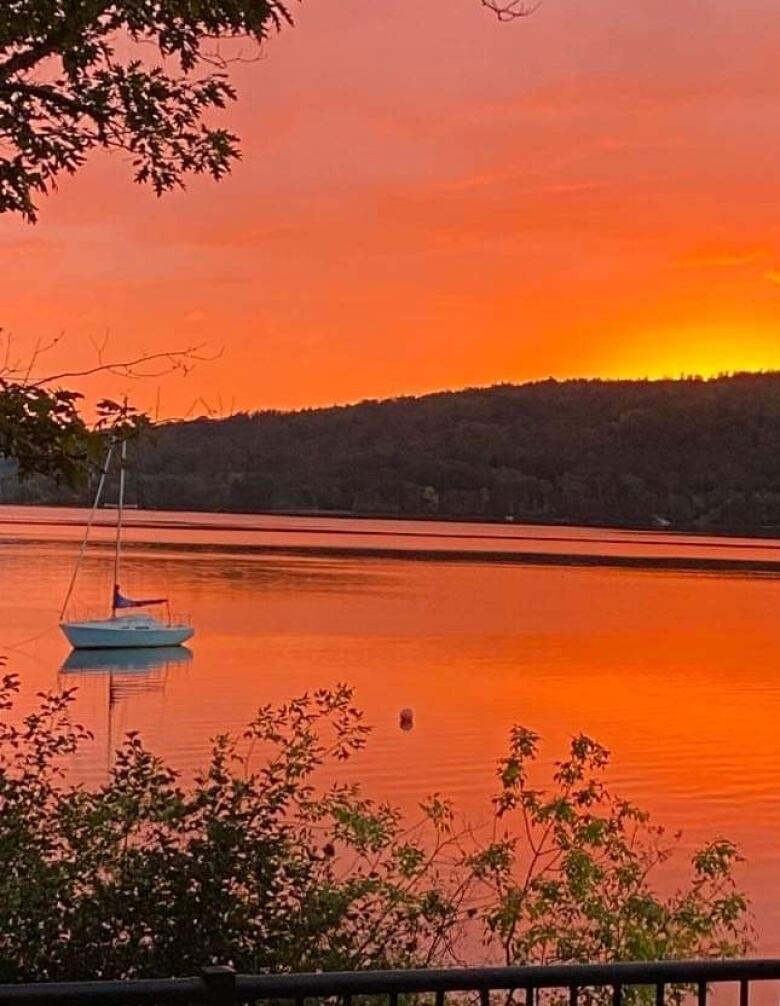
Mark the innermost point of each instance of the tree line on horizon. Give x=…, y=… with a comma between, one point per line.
x=693, y=453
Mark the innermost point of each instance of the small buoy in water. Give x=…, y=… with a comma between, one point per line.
x=406, y=719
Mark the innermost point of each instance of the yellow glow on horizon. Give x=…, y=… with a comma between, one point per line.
x=696, y=351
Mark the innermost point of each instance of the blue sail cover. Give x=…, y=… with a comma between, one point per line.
x=126, y=602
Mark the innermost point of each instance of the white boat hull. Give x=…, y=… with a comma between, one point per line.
x=124, y=633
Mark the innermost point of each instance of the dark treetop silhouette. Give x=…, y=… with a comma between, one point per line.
x=129, y=75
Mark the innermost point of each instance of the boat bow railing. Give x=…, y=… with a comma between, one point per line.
x=88, y=614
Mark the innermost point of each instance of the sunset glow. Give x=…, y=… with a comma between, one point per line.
x=430, y=199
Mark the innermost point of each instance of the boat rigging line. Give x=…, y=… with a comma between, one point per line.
x=88, y=528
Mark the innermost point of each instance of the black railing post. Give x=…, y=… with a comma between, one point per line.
x=220, y=985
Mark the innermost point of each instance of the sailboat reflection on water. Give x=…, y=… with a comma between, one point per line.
x=128, y=631
x=140, y=660
x=127, y=674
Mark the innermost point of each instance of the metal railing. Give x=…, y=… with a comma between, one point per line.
x=219, y=986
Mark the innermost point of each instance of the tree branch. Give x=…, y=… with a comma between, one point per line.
x=27, y=59
x=509, y=10
x=177, y=357
x=48, y=93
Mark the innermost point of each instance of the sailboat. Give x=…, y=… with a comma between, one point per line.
x=126, y=627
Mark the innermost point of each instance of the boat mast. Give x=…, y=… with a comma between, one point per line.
x=120, y=512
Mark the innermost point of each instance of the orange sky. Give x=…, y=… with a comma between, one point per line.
x=429, y=199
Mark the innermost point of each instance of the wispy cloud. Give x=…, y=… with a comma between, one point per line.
x=723, y=258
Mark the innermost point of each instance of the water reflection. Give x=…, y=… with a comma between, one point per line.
x=117, y=680
x=152, y=658
x=129, y=671
x=677, y=674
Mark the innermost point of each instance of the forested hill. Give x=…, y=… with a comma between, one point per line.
x=694, y=453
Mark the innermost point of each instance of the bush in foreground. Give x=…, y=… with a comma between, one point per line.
x=259, y=864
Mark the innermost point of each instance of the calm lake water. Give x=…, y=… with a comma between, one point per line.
x=678, y=673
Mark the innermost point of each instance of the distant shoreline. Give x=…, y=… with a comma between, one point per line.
x=680, y=457
x=760, y=533
x=670, y=564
